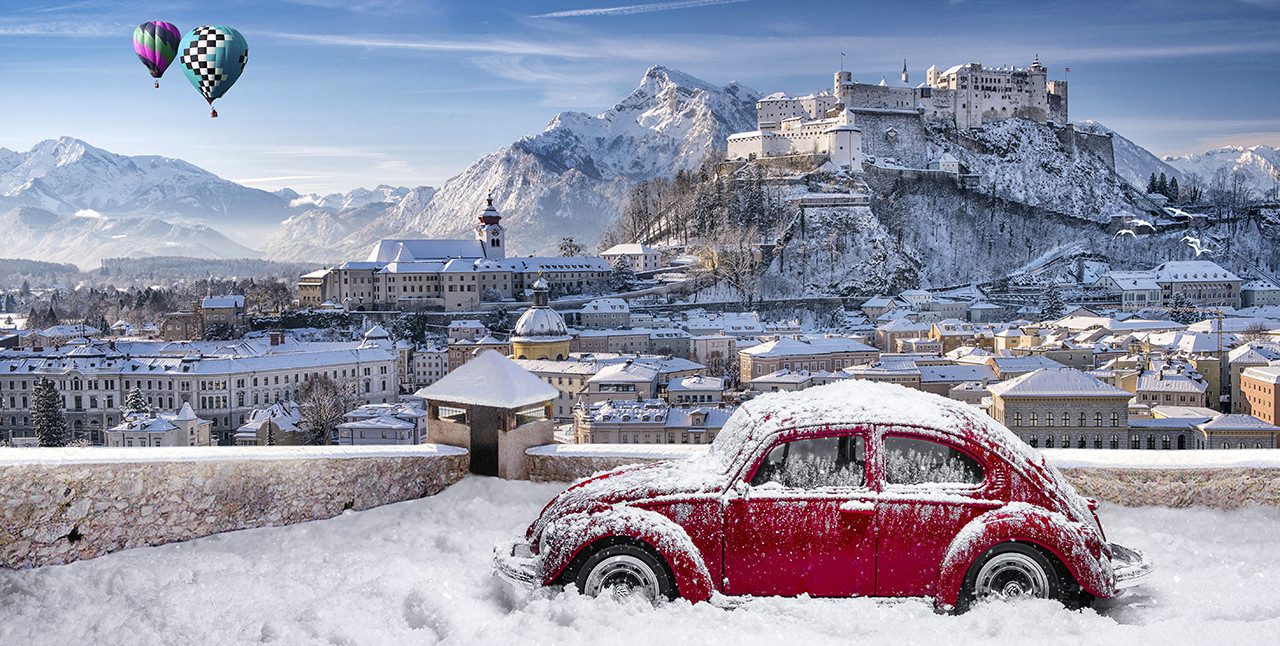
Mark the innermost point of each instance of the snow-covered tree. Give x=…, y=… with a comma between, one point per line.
x=134, y=402
x=323, y=402
x=1181, y=309
x=623, y=277
x=1052, y=307
x=569, y=248
x=51, y=427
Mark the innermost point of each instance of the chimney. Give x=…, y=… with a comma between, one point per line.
x=277, y=338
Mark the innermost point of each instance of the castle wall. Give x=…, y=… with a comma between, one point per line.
x=882, y=97
x=898, y=136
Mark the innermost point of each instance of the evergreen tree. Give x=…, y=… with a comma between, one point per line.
x=1151, y=184
x=51, y=427
x=135, y=403
x=569, y=248
x=623, y=277
x=1174, y=190
x=1181, y=309
x=1162, y=185
x=1053, y=307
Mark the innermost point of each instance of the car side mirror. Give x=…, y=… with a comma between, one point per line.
x=742, y=488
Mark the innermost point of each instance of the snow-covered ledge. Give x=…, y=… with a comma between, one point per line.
x=1220, y=479
x=62, y=505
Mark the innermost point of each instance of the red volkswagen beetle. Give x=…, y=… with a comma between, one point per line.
x=850, y=489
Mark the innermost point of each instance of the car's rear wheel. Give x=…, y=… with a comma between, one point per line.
x=1011, y=571
x=625, y=571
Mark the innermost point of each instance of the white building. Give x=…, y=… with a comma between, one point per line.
x=694, y=390
x=1259, y=293
x=832, y=135
x=604, y=313
x=642, y=257
x=399, y=423
x=183, y=428
x=222, y=380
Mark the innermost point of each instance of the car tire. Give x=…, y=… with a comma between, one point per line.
x=625, y=570
x=1012, y=570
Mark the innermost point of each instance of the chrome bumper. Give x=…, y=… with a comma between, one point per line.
x=515, y=562
x=1131, y=567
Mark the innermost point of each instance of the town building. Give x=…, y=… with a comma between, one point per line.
x=398, y=423
x=452, y=275
x=1202, y=282
x=640, y=257
x=147, y=428
x=540, y=333
x=1249, y=355
x=1240, y=431
x=276, y=425
x=1259, y=293
x=648, y=422
x=1258, y=394
x=1062, y=407
x=603, y=313
x=803, y=353
x=222, y=381
x=695, y=390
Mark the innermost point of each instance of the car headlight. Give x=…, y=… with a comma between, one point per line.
x=521, y=551
x=545, y=537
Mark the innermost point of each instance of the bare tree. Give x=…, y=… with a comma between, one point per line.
x=323, y=403
x=1254, y=333
x=733, y=256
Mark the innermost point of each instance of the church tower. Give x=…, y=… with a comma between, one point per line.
x=904, y=72
x=490, y=232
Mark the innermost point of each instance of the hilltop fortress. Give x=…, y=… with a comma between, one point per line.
x=962, y=97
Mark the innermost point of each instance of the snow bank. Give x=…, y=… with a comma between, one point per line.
x=108, y=455
x=420, y=572
x=62, y=505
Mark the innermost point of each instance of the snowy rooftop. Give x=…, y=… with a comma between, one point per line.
x=490, y=379
x=222, y=301
x=1057, y=382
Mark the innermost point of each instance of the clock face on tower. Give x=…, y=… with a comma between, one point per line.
x=494, y=230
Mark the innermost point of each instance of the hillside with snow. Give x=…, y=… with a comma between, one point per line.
x=39, y=234
x=1133, y=162
x=570, y=179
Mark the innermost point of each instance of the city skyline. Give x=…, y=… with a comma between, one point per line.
x=338, y=95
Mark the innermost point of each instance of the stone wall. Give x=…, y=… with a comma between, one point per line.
x=1215, y=479
x=62, y=505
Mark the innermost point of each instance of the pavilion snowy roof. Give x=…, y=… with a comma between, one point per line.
x=1192, y=270
x=1057, y=382
x=1238, y=422
x=490, y=379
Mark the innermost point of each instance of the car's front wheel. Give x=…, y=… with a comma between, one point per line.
x=625, y=571
x=1011, y=571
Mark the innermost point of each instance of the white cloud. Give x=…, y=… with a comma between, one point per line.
x=627, y=10
x=89, y=213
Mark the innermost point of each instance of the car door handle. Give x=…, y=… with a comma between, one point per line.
x=860, y=507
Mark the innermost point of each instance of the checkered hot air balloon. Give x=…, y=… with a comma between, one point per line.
x=156, y=43
x=213, y=56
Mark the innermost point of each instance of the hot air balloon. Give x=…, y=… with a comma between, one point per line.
x=213, y=56
x=156, y=43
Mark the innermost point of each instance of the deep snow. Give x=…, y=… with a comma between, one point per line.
x=419, y=572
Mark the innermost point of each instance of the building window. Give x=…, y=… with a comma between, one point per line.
x=1115, y=419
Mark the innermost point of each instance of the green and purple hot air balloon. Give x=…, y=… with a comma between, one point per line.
x=213, y=56
x=156, y=44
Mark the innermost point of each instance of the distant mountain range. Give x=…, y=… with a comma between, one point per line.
x=570, y=179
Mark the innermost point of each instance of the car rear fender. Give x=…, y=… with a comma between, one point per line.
x=1077, y=546
x=570, y=536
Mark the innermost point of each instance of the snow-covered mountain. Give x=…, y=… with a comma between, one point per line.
x=39, y=234
x=349, y=200
x=570, y=179
x=1260, y=164
x=67, y=175
x=1133, y=162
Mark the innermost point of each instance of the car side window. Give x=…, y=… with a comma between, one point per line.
x=912, y=461
x=814, y=463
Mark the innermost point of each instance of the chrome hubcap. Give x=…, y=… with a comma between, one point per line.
x=1012, y=575
x=623, y=576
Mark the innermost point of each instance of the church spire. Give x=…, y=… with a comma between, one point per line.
x=904, y=70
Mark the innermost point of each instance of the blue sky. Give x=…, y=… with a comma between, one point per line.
x=339, y=94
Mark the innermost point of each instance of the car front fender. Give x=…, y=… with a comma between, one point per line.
x=1076, y=546
x=569, y=535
